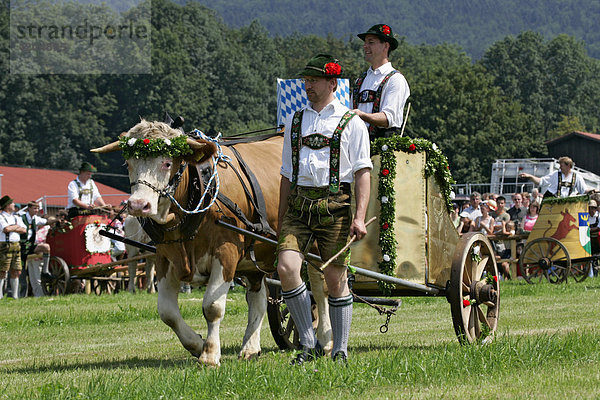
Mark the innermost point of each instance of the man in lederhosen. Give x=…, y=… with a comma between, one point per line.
x=11, y=228
x=562, y=183
x=29, y=245
x=83, y=193
x=379, y=94
x=325, y=149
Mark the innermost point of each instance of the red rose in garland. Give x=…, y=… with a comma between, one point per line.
x=146, y=141
x=333, y=69
x=385, y=226
x=385, y=29
x=412, y=147
x=385, y=172
x=466, y=303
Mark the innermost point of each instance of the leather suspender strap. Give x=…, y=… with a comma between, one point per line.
x=377, y=97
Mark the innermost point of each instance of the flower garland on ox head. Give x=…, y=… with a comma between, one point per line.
x=154, y=147
x=436, y=165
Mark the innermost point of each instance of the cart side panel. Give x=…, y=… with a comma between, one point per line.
x=561, y=222
x=409, y=223
x=443, y=236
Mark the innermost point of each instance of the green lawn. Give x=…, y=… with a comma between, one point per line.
x=89, y=347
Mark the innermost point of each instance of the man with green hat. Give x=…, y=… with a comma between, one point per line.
x=379, y=94
x=11, y=228
x=83, y=193
x=325, y=149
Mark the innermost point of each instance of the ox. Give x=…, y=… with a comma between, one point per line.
x=134, y=231
x=212, y=255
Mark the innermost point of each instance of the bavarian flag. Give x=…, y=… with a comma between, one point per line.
x=584, y=232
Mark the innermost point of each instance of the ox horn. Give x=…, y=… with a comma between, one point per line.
x=194, y=144
x=114, y=146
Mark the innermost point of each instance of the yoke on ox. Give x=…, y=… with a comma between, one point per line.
x=169, y=173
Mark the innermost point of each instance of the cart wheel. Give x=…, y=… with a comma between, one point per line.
x=545, y=258
x=57, y=286
x=281, y=323
x=474, y=293
x=579, y=271
x=100, y=286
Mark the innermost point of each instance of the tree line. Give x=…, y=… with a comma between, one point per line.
x=523, y=91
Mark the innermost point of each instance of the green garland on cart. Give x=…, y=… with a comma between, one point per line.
x=565, y=200
x=436, y=165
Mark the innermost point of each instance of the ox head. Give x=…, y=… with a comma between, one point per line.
x=154, y=152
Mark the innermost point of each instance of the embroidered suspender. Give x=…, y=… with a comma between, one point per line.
x=84, y=191
x=570, y=185
x=375, y=98
x=318, y=141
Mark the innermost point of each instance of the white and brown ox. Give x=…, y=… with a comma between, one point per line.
x=215, y=254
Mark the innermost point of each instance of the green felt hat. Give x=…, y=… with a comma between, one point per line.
x=383, y=32
x=322, y=65
x=86, y=166
x=4, y=201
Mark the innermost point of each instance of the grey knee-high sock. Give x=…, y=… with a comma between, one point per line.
x=1, y=288
x=45, y=262
x=298, y=302
x=340, y=314
x=14, y=286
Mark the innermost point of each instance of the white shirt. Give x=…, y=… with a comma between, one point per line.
x=550, y=183
x=7, y=219
x=89, y=192
x=393, y=96
x=473, y=212
x=313, y=166
x=39, y=221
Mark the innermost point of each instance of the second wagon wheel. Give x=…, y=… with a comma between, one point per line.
x=281, y=323
x=57, y=286
x=580, y=270
x=474, y=293
x=545, y=258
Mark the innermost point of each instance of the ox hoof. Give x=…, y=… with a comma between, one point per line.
x=249, y=356
x=207, y=362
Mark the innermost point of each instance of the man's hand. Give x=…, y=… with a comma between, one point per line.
x=358, y=228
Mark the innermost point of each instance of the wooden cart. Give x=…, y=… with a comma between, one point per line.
x=559, y=245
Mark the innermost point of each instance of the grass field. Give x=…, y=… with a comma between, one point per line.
x=115, y=347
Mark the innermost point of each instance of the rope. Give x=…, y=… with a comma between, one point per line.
x=214, y=177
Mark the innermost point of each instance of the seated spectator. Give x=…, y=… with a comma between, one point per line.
x=454, y=215
x=531, y=217
x=465, y=223
x=593, y=224
x=473, y=208
x=485, y=222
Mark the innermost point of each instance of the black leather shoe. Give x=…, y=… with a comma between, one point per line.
x=308, y=354
x=48, y=277
x=340, y=357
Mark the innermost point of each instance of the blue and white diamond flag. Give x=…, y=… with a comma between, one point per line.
x=292, y=97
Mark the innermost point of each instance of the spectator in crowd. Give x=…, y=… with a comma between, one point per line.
x=531, y=216
x=562, y=183
x=500, y=215
x=83, y=193
x=526, y=199
x=465, y=223
x=485, y=222
x=380, y=93
x=594, y=227
x=11, y=228
x=503, y=251
x=29, y=245
x=536, y=195
x=517, y=212
x=473, y=208
x=486, y=196
x=454, y=215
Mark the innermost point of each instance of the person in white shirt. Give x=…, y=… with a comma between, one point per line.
x=562, y=183
x=325, y=149
x=83, y=193
x=30, y=245
x=11, y=228
x=380, y=94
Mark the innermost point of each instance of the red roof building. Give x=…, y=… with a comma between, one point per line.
x=47, y=185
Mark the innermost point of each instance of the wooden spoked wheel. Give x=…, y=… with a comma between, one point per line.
x=545, y=258
x=580, y=270
x=474, y=293
x=59, y=285
x=100, y=286
x=281, y=323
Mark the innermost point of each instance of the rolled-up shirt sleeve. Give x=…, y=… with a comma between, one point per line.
x=359, y=149
x=394, y=96
x=286, y=153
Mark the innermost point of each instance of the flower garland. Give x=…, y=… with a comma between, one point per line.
x=436, y=165
x=154, y=147
x=565, y=200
